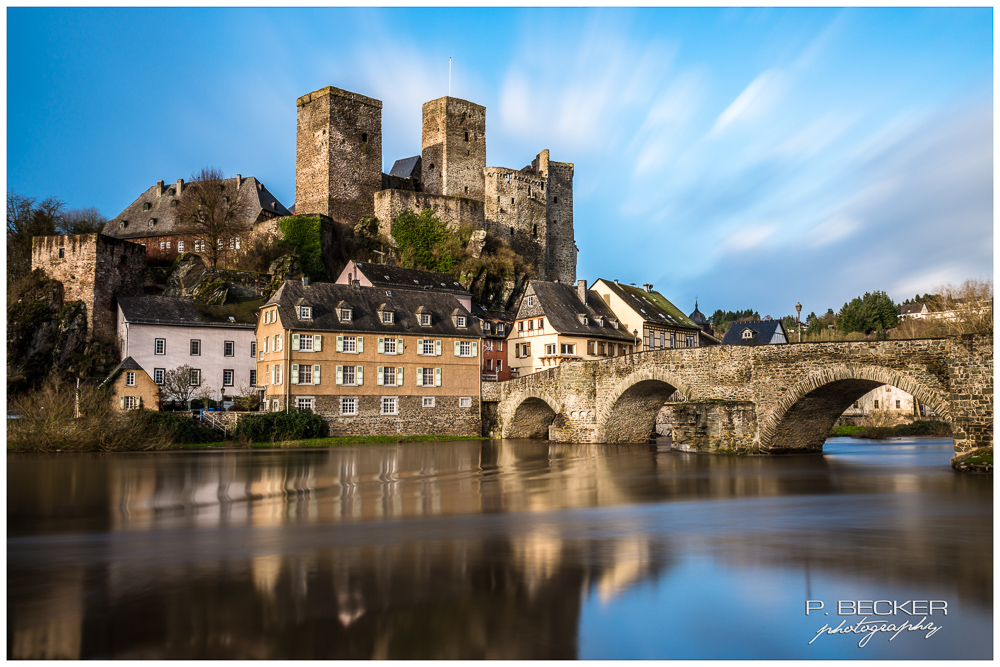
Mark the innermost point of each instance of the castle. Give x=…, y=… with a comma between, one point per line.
x=338, y=173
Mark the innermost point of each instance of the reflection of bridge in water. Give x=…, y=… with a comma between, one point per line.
x=766, y=399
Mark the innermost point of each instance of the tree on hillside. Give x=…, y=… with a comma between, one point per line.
x=26, y=218
x=872, y=312
x=968, y=307
x=209, y=211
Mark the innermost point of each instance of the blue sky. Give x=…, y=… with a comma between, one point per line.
x=750, y=157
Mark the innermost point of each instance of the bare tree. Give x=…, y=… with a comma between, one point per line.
x=965, y=308
x=208, y=209
x=81, y=221
x=27, y=218
x=177, y=385
x=247, y=398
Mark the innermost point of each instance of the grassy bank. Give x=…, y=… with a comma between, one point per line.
x=917, y=428
x=344, y=441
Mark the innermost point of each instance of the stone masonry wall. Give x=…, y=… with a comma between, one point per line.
x=515, y=211
x=93, y=269
x=716, y=426
x=561, y=240
x=452, y=210
x=445, y=418
x=338, y=154
x=453, y=153
x=970, y=371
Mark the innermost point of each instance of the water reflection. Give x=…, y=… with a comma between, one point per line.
x=446, y=550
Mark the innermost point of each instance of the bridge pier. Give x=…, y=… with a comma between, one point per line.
x=717, y=427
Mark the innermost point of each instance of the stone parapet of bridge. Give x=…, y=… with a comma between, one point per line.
x=767, y=399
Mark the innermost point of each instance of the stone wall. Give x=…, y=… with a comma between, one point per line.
x=720, y=427
x=452, y=210
x=445, y=418
x=92, y=268
x=338, y=154
x=971, y=391
x=453, y=153
x=515, y=211
x=561, y=240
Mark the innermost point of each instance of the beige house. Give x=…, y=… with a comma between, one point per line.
x=370, y=360
x=659, y=323
x=132, y=388
x=557, y=323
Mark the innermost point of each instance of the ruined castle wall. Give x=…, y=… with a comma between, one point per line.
x=92, y=268
x=515, y=211
x=561, y=242
x=452, y=210
x=338, y=154
x=453, y=153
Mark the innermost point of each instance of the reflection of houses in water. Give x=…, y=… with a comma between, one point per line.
x=47, y=626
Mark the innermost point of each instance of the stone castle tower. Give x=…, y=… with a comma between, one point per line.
x=338, y=173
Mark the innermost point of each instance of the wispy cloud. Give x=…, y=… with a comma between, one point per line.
x=754, y=103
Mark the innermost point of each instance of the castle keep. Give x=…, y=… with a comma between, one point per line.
x=338, y=173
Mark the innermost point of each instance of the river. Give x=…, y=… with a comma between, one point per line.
x=499, y=550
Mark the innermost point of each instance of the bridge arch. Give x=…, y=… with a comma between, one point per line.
x=804, y=415
x=628, y=411
x=527, y=414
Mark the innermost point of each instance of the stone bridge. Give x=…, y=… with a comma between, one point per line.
x=765, y=399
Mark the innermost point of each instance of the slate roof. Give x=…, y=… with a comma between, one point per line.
x=765, y=332
x=652, y=306
x=911, y=308
x=252, y=199
x=365, y=303
x=177, y=311
x=561, y=305
x=697, y=316
x=129, y=364
x=404, y=168
x=383, y=275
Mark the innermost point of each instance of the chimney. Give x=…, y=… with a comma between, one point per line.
x=239, y=179
x=581, y=291
x=159, y=188
x=616, y=281
x=305, y=281
x=648, y=287
x=180, y=186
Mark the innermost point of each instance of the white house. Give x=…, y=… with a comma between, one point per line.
x=163, y=333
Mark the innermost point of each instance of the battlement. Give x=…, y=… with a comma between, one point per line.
x=354, y=98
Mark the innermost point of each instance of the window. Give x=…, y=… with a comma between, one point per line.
x=425, y=319
x=234, y=243
x=555, y=200
x=349, y=345
x=386, y=317
x=583, y=320
x=305, y=403
x=163, y=245
x=180, y=246
x=500, y=329
x=348, y=375
x=62, y=253
x=520, y=326
x=897, y=404
x=488, y=345
x=390, y=405
x=550, y=349
x=427, y=348
x=876, y=404
x=219, y=244
x=427, y=402
x=388, y=375
x=229, y=349
x=277, y=342
x=541, y=322
x=253, y=378
x=747, y=334
x=306, y=313
x=130, y=379
x=425, y=377
x=199, y=245
x=529, y=300
x=345, y=314
x=499, y=365
x=130, y=402
x=264, y=349
x=389, y=346
x=158, y=374
x=195, y=347
x=277, y=374
x=460, y=321
x=465, y=348
x=466, y=136
x=305, y=374
x=195, y=377
x=253, y=349
x=160, y=346
x=568, y=349
x=601, y=350
x=227, y=378
x=465, y=402
x=663, y=339
x=348, y=405
x=690, y=341
x=275, y=405
x=673, y=340
x=531, y=325
x=305, y=343
x=652, y=340
x=590, y=348
x=523, y=349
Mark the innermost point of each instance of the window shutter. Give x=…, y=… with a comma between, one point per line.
x=381, y=345
x=399, y=376
x=359, y=375
x=420, y=377
x=527, y=349
x=475, y=348
x=318, y=343
x=361, y=344
x=420, y=346
x=121, y=402
x=315, y=373
x=379, y=377
x=295, y=341
x=437, y=377
x=340, y=343
x=437, y=348
x=458, y=348
x=340, y=375
x=295, y=374
x=399, y=346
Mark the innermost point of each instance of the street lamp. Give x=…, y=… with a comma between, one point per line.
x=798, y=318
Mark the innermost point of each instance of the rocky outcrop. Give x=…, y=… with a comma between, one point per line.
x=190, y=277
x=978, y=460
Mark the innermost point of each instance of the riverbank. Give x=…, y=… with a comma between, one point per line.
x=311, y=443
x=916, y=428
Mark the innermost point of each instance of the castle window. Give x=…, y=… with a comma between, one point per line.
x=173, y=203
x=180, y=246
x=171, y=192
x=123, y=225
x=555, y=200
x=152, y=221
x=466, y=136
x=364, y=137
x=147, y=206
x=534, y=231
x=62, y=253
x=511, y=231
x=512, y=201
x=498, y=199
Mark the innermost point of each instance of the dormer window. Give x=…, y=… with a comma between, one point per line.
x=173, y=203
x=305, y=312
x=748, y=334
x=152, y=221
x=387, y=317
x=583, y=319
x=123, y=225
x=345, y=314
x=147, y=206
x=500, y=328
x=460, y=321
x=425, y=319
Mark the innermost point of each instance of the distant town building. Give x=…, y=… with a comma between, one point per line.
x=557, y=323
x=768, y=332
x=659, y=323
x=496, y=362
x=891, y=400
